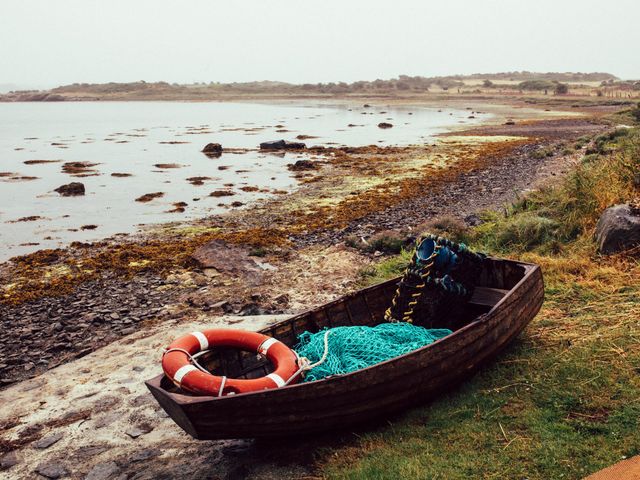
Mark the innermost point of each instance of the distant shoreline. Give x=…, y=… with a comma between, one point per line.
x=562, y=87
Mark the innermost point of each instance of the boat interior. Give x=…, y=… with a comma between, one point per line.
x=365, y=307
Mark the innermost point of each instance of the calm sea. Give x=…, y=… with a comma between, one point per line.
x=135, y=137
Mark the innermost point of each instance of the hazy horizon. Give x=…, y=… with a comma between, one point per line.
x=46, y=44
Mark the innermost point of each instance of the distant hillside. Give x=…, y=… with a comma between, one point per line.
x=550, y=76
x=404, y=84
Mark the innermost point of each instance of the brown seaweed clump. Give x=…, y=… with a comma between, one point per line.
x=147, y=197
x=222, y=193
x=168, y=165
x=79, y=169
x=38, y=162
x=197, y=181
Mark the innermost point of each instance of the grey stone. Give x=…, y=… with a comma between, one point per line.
x=145, y=454
x=618, y=229
x=52, y=470
x=9, y=460
x=144, y=399
x=46, y=442
x=225, y=258
x=107, y=419
x=103, y=471
x=135, y=432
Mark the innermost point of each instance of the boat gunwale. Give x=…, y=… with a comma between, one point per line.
x=181, y=398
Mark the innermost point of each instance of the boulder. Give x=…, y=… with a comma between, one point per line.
x=385, y=125
x=212, y=149
x=282, y=145
x=71, y=189
x=225, y=258
x=618, y=229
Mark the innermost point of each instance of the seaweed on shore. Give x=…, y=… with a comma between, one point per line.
x=57, y=272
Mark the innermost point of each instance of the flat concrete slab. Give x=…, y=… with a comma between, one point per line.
x=102, y=417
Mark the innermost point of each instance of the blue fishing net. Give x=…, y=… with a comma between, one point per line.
x=358, y=347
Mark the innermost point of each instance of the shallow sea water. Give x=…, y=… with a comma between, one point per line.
x=128, y=137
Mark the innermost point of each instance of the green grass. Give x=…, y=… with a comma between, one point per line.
x=564, y=400
x=388, y=268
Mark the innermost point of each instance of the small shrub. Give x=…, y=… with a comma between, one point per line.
x=522, y=232
x=635, y=113
x=582, y=141
x=387, y=268
x=258, y=252
x=536, y=85
x=590, y=158
x=353, y=241
x=388, y=242
x=606, y=143
x=542, y=153
x=447, y=226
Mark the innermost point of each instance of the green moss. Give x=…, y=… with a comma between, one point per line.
x=384, y=270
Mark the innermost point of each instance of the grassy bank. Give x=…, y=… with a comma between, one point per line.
x=564, y=399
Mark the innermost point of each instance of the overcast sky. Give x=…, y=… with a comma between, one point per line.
x=47, y=43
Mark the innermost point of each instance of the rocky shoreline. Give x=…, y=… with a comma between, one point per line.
x=61, y=328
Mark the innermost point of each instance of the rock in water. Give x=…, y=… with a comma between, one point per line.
x=212, y=149
x=618, y=229
x=282, y=145
x=385, y=125
x=303, y=165
x=71, y=189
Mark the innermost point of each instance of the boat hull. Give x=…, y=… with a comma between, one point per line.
x=372, y=393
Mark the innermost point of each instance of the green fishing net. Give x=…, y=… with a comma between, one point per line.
x=358, y=347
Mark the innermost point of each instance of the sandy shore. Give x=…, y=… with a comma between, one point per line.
x=96, y=315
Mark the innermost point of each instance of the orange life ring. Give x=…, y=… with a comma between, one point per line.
x=177, y=365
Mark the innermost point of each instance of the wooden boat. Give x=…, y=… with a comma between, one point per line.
x=508, y=296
